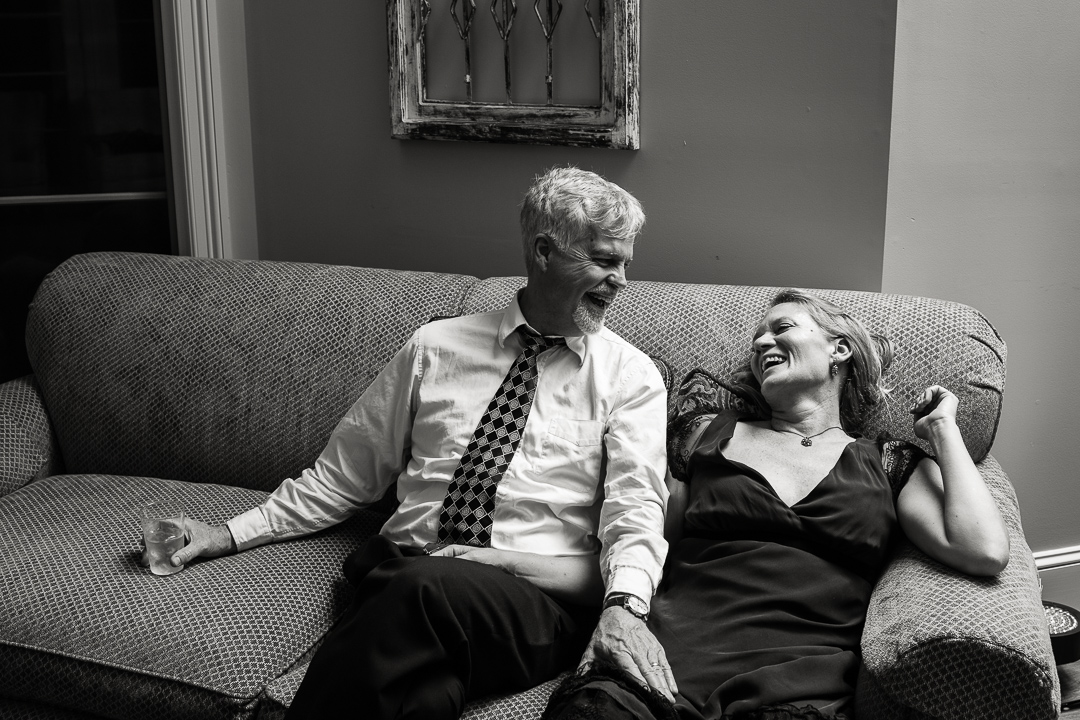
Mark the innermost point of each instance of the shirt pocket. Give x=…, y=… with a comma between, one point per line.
x=573, y=451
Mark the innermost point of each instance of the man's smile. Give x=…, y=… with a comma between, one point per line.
x=601, y=300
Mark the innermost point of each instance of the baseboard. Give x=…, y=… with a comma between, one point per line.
x=1057, y=558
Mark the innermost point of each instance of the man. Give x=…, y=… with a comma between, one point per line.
x=523, y=442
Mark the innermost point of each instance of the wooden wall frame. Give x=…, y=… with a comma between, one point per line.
x=612, y=124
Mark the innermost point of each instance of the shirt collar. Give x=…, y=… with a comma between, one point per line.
x=513, y=318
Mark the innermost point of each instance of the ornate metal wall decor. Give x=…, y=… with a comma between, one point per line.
x=611, y=122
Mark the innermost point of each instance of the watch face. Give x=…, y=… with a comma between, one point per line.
x=636, y=605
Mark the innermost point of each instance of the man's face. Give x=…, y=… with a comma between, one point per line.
x=587, y=276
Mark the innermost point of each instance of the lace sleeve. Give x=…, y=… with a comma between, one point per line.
x=899, y=459
x=698, y=400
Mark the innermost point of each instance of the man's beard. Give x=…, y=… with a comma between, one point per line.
x=590, y=320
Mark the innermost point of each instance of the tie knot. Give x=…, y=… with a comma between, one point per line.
x=539, y=343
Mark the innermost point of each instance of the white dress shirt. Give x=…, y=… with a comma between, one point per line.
x=599, y=414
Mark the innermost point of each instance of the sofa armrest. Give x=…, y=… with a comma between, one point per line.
x=28, y=449
x=950, y=646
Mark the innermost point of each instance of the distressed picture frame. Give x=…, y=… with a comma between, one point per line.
x=613, y=123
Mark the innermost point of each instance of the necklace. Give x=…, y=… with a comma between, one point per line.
x=808, y=440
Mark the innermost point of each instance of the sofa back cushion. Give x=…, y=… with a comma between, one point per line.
x=709, y=328
x=211, y=370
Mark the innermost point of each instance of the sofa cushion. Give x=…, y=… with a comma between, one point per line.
x=215, y=370
x=87, y=627
x=710, y=327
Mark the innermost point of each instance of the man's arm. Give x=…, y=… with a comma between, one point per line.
x=365, y=453
x=631, y=530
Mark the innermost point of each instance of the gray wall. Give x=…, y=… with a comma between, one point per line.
x=984, y=208
x=764, y=146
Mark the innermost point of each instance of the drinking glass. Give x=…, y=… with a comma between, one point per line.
x=163, y=532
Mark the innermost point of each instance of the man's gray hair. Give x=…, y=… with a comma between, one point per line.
x=568, y=204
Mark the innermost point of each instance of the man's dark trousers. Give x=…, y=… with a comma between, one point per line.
x=424, y=635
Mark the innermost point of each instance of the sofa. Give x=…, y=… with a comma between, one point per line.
x=206, y=382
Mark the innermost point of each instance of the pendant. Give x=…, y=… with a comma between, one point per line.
x=807, y=442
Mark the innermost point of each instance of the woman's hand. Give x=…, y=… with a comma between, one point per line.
x=624, y=640
x=934, y=406
x=575, y=578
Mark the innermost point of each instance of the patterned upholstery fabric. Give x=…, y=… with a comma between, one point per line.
x=278, y=695
x=215, y=371
x=526, y=705
x=710, y=327
x=88, y=628
x=235, y=372
x=16, y=710
x=27, y=448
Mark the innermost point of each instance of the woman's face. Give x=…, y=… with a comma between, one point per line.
x=791, y=350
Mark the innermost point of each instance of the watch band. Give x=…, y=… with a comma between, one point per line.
x=630, y=603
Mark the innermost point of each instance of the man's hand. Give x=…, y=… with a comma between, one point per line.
x=203, y=540
x=624, y=640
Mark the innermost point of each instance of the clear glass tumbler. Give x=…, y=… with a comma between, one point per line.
x=163, y=532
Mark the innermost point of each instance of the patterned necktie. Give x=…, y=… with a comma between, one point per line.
x=470, y=498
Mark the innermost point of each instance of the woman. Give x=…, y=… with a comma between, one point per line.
x=780, y=520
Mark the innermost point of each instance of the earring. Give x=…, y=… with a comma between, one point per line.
x=833, y=369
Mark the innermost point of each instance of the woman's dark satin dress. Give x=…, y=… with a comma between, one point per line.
x=763, y=604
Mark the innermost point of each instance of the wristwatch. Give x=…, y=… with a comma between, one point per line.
x=630, y=603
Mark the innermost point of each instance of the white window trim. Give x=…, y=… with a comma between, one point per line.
x=212, y=182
